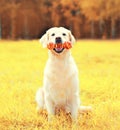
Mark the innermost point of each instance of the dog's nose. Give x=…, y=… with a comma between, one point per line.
x=58, y=40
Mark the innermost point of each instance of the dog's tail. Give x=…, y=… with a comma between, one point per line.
x=85, y=109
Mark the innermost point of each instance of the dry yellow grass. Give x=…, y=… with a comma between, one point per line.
x=21, y=74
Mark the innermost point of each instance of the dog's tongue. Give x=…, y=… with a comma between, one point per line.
x=58, y=49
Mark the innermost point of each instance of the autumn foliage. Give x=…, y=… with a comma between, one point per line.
x=28, y=19
x=66, y=45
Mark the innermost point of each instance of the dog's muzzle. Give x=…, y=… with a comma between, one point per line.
x=58, y=45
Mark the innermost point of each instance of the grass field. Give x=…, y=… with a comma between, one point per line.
x=21, y=74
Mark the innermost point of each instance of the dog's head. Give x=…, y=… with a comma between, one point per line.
x=58, y=36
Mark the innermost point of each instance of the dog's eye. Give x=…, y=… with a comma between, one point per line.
x=64, y=34
x=53, y=34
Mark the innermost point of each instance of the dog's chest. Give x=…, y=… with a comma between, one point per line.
x=59, y=72
x=59, y=76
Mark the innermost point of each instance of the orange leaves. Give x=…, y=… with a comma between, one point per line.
x=66, y=45
x=50, y=46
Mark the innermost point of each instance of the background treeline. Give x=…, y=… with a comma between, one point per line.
x=29, y=19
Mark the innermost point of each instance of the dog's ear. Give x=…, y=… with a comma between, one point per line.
x=44, y=40
x=72, y=38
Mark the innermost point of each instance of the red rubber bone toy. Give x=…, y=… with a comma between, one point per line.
x=66, y=45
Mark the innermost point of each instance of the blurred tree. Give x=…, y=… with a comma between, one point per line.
x=4, y=9
x=30, y=19
x=101, y=11
x=91, y=9
x=0, y=28
x=109, y=11
x=2, y=5
x=13, y=8
x=66, y=13
x=113, y=12
x=71, y=11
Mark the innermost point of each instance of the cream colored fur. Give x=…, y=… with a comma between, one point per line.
x=61, y=84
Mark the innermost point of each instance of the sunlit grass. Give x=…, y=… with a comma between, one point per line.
x=21, y=74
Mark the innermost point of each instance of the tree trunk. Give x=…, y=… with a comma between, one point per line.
x=0, y=28
x=101, y=27
x=113, y=30
x=26, y=27
x=13, y=22
x=76, y=26
x=92, y=29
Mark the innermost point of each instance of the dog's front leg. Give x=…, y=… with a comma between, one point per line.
x=74, y=107
x=50, y=107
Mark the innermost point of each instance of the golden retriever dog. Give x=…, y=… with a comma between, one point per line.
x=61, y=83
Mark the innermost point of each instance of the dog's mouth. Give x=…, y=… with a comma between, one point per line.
x=58, y=50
